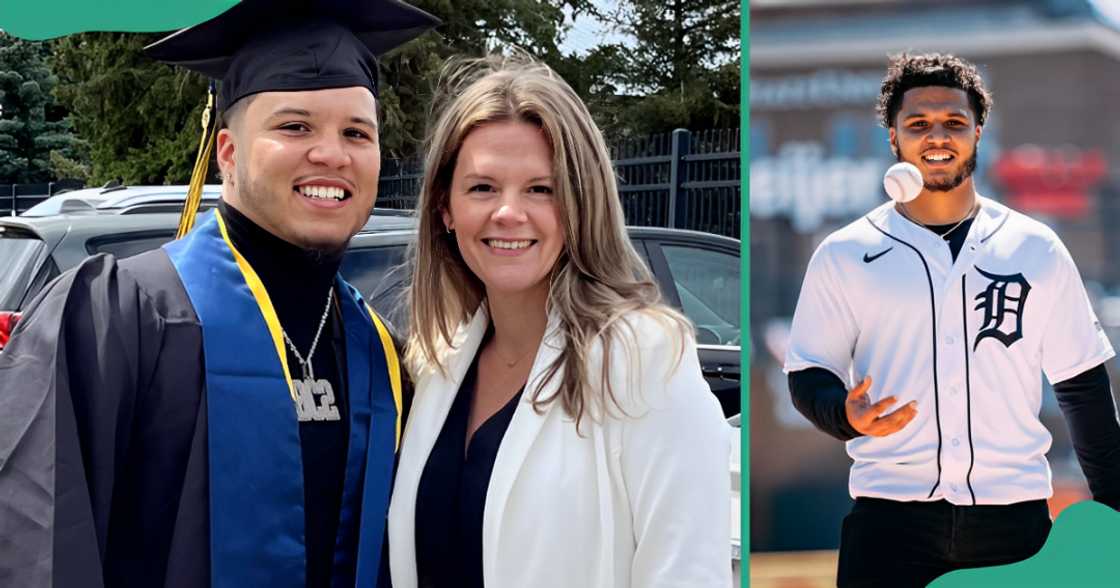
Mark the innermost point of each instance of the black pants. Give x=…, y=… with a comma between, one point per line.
x=900, y=544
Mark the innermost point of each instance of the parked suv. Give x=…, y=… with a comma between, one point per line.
x=697, y=272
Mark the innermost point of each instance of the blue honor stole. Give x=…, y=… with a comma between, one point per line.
x=255, y=460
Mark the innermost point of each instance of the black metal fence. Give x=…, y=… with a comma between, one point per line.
x=20, y=197
x=400, y=183
x=683, y=179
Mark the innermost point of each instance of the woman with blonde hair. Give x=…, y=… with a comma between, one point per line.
x=561, y=432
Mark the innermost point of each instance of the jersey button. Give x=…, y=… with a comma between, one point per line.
x=956, y=443
x=949, y=339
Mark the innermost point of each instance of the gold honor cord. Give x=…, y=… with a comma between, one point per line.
x=392, y=363
x=201, y=163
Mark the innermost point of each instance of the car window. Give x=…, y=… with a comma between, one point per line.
x=707, y=282
x=128, y=246
x=46, y=274
x=379, y=274
x=640, y=247
x=390, y=303
x=18, y=252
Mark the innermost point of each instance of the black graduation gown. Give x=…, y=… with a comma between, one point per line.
x=108, y=364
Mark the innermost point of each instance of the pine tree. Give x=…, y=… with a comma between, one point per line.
x=140, y=118
x=471, y=29
x=682, y=70
x=36, y=142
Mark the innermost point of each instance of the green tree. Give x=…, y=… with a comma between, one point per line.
x=36, y=144
x=141, y=119
x=682, y=69
x=471, y=28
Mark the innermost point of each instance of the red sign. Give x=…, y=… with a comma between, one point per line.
x=1051, y=181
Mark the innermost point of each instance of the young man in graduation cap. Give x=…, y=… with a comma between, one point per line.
x=225, y=410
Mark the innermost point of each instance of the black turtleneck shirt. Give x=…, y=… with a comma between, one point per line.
x=297, y=281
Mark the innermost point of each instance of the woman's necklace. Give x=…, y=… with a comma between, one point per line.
x=509, y=364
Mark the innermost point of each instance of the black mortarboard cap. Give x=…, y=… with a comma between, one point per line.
x=293, y=45
x=285, y=45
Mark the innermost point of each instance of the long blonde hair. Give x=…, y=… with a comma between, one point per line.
x=599, y=276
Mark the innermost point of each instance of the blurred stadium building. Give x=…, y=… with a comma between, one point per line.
x=817, y=154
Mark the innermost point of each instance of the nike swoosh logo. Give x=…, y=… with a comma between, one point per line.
x=870, y=258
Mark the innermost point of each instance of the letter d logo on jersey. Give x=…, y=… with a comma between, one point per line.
x=997, y=303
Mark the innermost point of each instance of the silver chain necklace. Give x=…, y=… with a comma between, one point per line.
x=946, y=234
x=315, y=397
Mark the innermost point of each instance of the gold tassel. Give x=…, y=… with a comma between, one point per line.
x=201, y=163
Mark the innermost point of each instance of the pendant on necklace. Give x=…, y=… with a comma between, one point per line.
x=316, y=400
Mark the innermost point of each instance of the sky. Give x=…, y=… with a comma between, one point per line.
x=587, y=32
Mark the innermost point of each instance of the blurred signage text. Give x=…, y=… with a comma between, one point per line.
x=825, y=88
x=802, y=183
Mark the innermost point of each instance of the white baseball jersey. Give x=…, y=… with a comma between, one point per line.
x=968, y=340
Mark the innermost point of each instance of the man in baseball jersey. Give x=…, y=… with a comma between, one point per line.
x=946, y=311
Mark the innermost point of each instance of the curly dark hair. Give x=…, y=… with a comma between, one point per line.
x=905, y=72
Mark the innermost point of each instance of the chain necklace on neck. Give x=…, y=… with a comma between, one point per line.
x=489, y=342
x=510, y=364
x=945, y=235
x=315, y=397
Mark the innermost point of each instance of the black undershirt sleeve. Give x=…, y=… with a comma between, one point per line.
x=819, y=395
x=1087, y=404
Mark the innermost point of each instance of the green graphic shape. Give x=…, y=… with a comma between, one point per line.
x=1081, y=551
x=745, y=317
x=37, y=20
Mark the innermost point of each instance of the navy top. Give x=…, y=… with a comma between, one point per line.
x=452, y=493
x=955, y=236
x=298, y=281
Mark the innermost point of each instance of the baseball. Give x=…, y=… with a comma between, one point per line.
x=903, y=182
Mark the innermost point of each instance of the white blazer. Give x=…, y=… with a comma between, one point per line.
x=636, y=501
